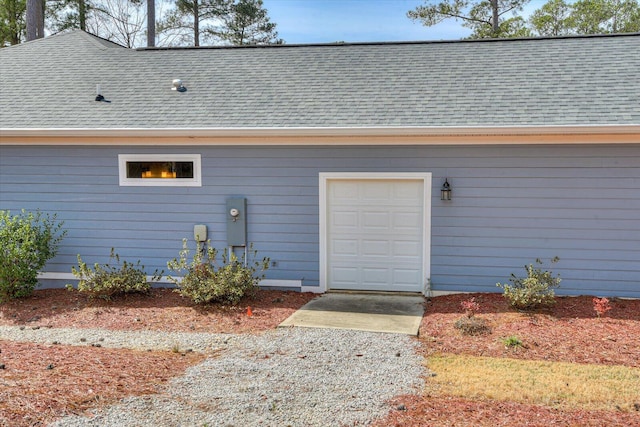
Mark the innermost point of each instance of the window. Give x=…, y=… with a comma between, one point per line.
x=170, y=170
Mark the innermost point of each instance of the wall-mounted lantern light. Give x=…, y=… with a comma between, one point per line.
x=445, y=192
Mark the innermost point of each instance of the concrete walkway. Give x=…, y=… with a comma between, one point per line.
x=399, y=314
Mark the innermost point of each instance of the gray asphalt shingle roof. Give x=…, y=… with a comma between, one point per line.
x=51, y=83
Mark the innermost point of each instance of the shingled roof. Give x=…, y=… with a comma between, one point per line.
x=571, y=81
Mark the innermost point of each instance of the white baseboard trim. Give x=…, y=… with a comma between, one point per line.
x=274, y=283
x=50, y=275
x=56, y=276
x=277, y=283
x=431, y=293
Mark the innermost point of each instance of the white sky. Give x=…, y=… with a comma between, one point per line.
x=326, y=21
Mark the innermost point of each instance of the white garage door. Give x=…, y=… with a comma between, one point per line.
x=375, y=232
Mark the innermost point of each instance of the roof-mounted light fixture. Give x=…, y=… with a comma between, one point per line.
x=178, y=86
x=99, y=96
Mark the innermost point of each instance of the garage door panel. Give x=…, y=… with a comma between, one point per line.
x=344, y=219
x=377, y=276
x=407, y=249
x=376, y=191
x=406, y=278
x=345, y=247
x=408, y=192
x=376, y=220
x=375, y=248
x=344, y=192
x=375, y=232
x=346, y=277
x=410, y=220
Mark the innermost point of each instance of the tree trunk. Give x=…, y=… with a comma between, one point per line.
x=40, y=17
x=496, y=17
x=151, y=23
x=82, y=14
x=35, y=19
x=196, y=24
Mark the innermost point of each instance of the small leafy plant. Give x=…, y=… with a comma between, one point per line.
x=205, y=281
x=512, y=342
x=470, y=307
x=534, y=291
x=601, y=306
x=27, y=241
x=106, y=281
x=469, y=324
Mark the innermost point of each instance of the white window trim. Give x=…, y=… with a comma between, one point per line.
x=325, y=177
x=196, y=181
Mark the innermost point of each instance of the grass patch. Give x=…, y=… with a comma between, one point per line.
x=512, y=341
x=555, y=384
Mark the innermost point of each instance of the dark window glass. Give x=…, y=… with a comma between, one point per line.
x=166, y=170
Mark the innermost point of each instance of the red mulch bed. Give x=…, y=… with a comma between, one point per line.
x=446, y=411
x=569, y=332
x=40, y=383
x=162, y=309
x=85, y=377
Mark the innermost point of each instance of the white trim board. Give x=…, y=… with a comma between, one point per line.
x=327, y=131
x=325, y=177
x=275, y=283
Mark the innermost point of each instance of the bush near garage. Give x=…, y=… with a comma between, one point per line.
x=107, y=280
x=27, y=241
x=205, y=281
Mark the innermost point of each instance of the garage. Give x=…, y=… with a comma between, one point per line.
x=375, y=231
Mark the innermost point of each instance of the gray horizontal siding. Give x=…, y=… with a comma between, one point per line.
x=511, y=204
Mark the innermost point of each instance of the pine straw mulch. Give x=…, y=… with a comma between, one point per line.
x=446, y=411
x=83, y=378
x=40, y=383
x=567, y=332
x=162, y=309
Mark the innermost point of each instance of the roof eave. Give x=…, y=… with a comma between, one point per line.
x=323, y=131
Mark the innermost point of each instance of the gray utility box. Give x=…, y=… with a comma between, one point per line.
x=237, y=221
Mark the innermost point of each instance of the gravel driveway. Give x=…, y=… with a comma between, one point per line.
x=286, y=377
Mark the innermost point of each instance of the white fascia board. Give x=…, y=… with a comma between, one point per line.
x=322, y=131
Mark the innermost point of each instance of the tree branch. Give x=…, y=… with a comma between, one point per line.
x=507, y=10
x=464, y=18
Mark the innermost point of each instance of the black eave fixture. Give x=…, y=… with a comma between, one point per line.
x=99, y=97
x=445, y=192
x=178, y=85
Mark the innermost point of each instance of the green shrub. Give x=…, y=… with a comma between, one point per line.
x=106, y=281
x=205, y=282
x=535, y=290
x=27, y=241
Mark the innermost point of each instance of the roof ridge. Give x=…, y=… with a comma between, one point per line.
x=391, y=43
x=100, y=41
x=97, y=40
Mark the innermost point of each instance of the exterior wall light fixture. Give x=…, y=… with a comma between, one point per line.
x=445, y=192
